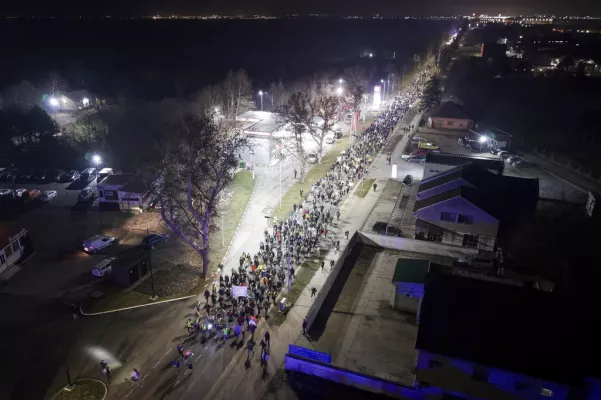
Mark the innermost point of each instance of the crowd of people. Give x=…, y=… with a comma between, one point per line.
x=264, y=273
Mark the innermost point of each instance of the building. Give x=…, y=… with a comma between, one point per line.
x=438, y=162
x=263, y=130
x=123, y=192
x=493, y=138
x=130, y=266
x=485, y=340
x=448, y=115
x=409, y=277
x=466, y=206
x=77, y=100
x=13, y=246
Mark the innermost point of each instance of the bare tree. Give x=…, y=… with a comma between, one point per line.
x=296, y=115
x=279, y=94
x=237, y=94
x=209, y=98
x=356, y=79
x=55, y=84
x=325, y=106
x=197, y=165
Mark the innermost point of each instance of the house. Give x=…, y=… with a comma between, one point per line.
x=123, y=192
x=263, y=129
x=467, y=205
x=493, y=138
x=77, y=100
x=485, y=340
x=409, y=277
x=437, y=162
x=448, y=115
x=13, y=245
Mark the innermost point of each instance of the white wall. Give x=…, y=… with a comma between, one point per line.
x=418, y=246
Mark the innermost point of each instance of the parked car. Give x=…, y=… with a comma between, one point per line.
x=32, y=193
x=511, y=159
x=408, y=180
x=19, y=192
x=486, y=260
x=4, y=173
x=520, y=163
x=6, y=192
x=312, y=158
x=338, y=134
x=41, y=175
x=415, y=159
x=330, y=139
x=383, y=228
x=27, y=174
x=103, y=267
x=428, y=145
x=104, y=172
x=420, y=152
x=85, y=194
x=88, y=175
x=47, y=195
x=154, y=240
x=70, y=176
x=56, y=175
x=97, y=242
x=416, y=139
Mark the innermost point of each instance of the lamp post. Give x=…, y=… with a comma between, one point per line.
x=383, y=82
x=261, y=95
x=482, y=140
x=339, y=91
x=96, y=159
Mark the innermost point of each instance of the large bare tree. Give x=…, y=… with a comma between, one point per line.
x=356, y=81
x=237, y=94
x=297, y=117
x=197, y=165
x=279, y=94
x=324, y=105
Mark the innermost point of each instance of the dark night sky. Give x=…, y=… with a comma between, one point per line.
x=277, y=7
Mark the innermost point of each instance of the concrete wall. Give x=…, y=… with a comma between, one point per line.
x=357, y=380
x=325, y=289
x=449, y=123
x=407, y=296
x=456, y=376
x=418, y=246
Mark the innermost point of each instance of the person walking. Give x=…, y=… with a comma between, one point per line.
x=375, y=186
x=323, y=263
x=346, y=233
x=295, y=172
x=180, y=350
x=331, y=264
x=305, y=326
x=267, y=338
x=337, y=215
x=313, y=292
x=301, y=193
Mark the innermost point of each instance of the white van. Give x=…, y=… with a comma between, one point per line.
x=89, y=174
x=104, y=172
x=97, y=242
x=103, y=267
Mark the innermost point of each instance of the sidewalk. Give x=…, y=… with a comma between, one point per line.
x=238, y=381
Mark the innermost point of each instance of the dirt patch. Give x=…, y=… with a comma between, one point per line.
x=167, y=282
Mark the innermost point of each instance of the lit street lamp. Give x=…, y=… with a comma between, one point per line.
x=482, y=139
x=261, y=95
x=383, y=83
x=339, y=91
x=96, y=159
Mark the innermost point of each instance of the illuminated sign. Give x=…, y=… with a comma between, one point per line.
x=377, y=95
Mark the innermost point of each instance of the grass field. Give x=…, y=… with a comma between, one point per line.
x=363, y=188
x=85, y=389
x=115, y=297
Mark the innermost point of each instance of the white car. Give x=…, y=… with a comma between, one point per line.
x=19, y=192
x=330, y=139
x=5, y=192
x=97, y=242
x=103, y=267
x=311, y=158
x=47, y=195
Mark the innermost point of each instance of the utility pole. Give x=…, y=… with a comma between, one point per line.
x=70, y=385
x=154, y=296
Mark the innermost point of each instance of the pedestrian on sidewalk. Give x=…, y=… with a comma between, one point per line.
x=176, y=363
x=313, y=292
x=107, y=373
x=375, y=186
x=301, y=193
x=337, y=215
x=189, y=363
x=295, y=172
x=346, y=233
x=267, y=338
x=249, y=347
x=331, y=264
x=135, y=377
x=323, y=263
x=180, y=350
x=305, y=326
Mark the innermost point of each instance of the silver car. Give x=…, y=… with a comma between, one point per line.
x=312, y=158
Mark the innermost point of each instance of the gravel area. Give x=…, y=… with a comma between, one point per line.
x=167, y=282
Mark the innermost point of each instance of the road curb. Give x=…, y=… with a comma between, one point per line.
x=106, y=389
x=132, y=307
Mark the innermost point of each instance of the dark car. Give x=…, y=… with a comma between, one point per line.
x=27, y=174
x=408, y=180
x=70, y=176
x=56, y=175
x=383, y=228
x=42, y=175
x=154, y=240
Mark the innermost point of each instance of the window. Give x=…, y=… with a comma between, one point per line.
x=435, y=237
x=449, y=217
x=15, y=245
x=449, y=123
x=8, y=251
x=2, y=259
x=465, y=219
x=546, y=392
x=100, y=193
x=471, y=241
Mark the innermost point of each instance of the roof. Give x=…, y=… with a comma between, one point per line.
x=448, y=109
x=473, y=173
x=496, y=325
x=115, y=180
x=411, y=270
x=134, y=186
x=460, y=159
x=437, y=198
x=79, y=95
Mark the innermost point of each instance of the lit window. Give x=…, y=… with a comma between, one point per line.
x=546, y=392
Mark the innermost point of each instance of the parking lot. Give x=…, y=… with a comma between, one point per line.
x=550, y=187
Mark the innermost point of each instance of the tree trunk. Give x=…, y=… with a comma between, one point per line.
x=206, y=260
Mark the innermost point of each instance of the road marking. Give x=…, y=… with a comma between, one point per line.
x=187, y=370
x=198, y=358
x=167, y=353
x=158, y=362
x=176, y=383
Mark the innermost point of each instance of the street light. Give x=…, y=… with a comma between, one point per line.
x=53, y=102
x=261, y=94
x=384, y=84
x=482, y=139
x=96, y=159
x=339, y=91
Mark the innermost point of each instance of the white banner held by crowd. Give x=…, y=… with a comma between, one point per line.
x=239, y=291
